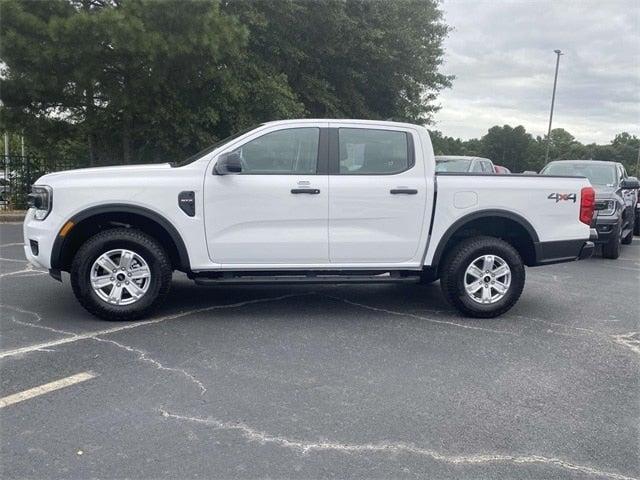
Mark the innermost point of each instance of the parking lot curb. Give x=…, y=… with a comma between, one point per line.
x=15, y=216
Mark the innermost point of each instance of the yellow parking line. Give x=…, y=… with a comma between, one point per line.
x=46, y=388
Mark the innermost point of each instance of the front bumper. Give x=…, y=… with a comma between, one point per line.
x=606, y=228
x=43, y=233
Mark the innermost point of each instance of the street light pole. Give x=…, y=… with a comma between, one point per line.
x=553, y=100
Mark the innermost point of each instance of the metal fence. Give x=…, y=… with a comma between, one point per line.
x=19, y=172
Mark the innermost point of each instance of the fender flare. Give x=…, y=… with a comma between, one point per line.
x=462, y=221
x=59, y=243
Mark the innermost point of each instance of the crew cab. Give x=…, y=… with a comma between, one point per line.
x=334, y=201
x=616, y=199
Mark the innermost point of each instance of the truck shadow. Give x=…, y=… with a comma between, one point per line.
x=337, y=300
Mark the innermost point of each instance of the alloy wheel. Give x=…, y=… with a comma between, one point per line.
x=487, y=279
x=120, y=277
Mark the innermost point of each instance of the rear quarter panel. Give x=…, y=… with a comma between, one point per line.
x=552, y=218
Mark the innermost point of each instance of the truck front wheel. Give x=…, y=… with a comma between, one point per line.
x=120, y=274
x=482, y=277
x=628, y=238
x=611, y=249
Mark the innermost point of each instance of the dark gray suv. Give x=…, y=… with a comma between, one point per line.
x=616, y=199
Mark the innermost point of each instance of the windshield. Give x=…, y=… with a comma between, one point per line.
x=211, y=148
x=459, y=165
x=597, y=173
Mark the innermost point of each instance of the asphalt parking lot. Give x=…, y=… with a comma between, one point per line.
x=379, y=381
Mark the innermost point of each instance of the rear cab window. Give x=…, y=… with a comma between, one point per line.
x=365, y=151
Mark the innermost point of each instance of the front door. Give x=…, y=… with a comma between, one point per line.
x=275, y=211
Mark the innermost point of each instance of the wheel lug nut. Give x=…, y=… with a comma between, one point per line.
x=129, y=274
x=112, y=279
x=127, y=282
x=114, y=271
x=118, y=284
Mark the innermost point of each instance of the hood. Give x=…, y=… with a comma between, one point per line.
x=97, y=172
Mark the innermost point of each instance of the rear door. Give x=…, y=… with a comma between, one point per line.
x=377, y=194
x=275, y=211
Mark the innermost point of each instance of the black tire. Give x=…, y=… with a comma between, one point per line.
x=453, y=276
x=141, y=244
x=611, y=249
x=628, y=238
x=636, y=225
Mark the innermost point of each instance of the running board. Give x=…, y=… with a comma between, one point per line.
x=240, y=279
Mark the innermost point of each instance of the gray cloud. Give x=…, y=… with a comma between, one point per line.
x=501, y=53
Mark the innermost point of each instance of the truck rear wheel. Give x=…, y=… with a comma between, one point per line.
x=482, y=277
x=120, y=274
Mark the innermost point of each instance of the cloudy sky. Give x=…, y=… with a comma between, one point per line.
x=501, y=53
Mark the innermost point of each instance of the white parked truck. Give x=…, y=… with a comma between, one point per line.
x=304, y=201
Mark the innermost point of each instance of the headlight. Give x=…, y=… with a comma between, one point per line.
x=606, y=207
x=41, y=199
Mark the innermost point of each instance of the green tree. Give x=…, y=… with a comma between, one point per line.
x=563, y=146
x=351, y=58
x=507, y=146
x=152, y=80
x=443, y=145
x=628, y=151
x=147, y=79
x=534, y=158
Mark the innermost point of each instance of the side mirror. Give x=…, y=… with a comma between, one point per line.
x=228, y=164
x=629, y=183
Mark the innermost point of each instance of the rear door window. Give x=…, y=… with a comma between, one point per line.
x=365, y=151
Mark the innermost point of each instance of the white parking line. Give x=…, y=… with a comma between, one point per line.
x=12, y=260
x=46, y=388
x=129, y=326
x=11, y=244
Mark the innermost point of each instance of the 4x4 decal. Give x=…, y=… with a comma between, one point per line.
x=563, y=197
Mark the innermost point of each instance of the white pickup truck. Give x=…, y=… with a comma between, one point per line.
x=304, y=201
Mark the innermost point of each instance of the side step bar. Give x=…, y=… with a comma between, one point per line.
x=241, y=279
